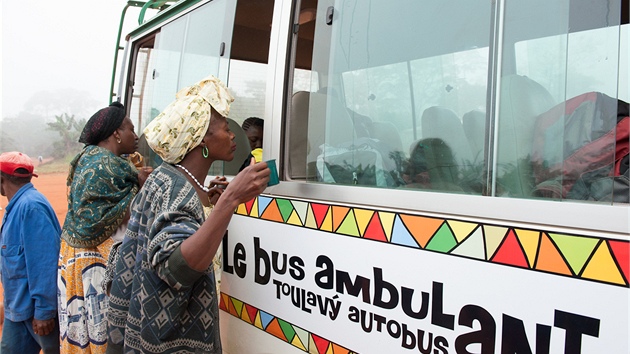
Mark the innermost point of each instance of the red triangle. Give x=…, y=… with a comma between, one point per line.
x=374, y=231
x=621, y=251
x=510, y=252
x=249, y=205
x=251, y=311
x=319, y=211
x=320, y=343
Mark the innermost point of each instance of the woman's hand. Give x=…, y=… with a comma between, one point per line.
x=143, y=174
x=250, y=182
x=217, y=186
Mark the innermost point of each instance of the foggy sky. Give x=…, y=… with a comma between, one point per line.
x=56, y=45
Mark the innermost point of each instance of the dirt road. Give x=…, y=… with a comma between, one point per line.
x=53, y=186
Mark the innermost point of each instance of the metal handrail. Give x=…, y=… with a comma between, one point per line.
x=144, y=5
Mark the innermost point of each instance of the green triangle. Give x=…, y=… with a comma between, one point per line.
x=286, y=208
x=349, y=225
x=443, y=240
x=287, y=329
x=575, y=249
x=238, y=305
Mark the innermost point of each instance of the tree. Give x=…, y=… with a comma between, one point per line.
x=27, y=133
x=69, y=129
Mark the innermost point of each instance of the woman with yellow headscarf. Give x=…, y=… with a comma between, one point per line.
x=163, y=296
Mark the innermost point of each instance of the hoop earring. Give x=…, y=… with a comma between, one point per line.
x=205, y=151
x=118, y=140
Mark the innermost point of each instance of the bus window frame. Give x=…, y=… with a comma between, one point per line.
x=527, y=213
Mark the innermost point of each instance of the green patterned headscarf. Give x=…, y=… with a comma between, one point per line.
x=102, y=186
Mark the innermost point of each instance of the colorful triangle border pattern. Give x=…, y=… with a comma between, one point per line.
x=586, y=258
x=279, y=328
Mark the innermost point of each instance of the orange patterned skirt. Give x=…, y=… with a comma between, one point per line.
x=82, y=302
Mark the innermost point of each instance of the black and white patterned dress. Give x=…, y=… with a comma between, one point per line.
x=158, y=304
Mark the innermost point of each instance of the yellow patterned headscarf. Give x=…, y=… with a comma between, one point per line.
x=183, y=123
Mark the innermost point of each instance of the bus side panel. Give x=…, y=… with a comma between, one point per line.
x=317, y=276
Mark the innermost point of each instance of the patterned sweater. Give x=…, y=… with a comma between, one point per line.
x=158, y=304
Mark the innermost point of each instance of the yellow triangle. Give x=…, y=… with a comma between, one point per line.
x=330, y=349
x=294, y=219
x=254, y=212
x=363, y=218
x=493, y=236
x=311, y=223
x=241, y=209
x=327, y=224
x=258, y=321
x=602, y=267
x=461, y=229
x=387, y=220
x=298, y=343
x=529, y=240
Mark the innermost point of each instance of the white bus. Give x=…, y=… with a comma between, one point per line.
x=454, y=174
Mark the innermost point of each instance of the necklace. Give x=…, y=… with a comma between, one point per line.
x=203, y=188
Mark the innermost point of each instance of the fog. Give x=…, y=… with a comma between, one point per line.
x=57, y=56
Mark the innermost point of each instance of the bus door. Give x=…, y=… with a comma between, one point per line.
x=175, y=55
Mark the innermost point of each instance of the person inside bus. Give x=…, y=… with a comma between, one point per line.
x=253, y=128
x=163, y=296
x=101, y=186
x=432, y=166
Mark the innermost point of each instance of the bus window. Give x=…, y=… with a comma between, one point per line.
x=246, y=74
x=383, y=93
x=559, y=101
x=174, y=56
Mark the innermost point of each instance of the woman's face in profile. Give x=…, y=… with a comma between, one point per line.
x=220, y=139
x=128, y=137
x=255, y=137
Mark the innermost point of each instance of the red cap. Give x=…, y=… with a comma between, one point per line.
x=11, y=161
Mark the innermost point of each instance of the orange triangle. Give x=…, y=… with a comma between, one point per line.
x=549, y=258
x=245, y=317
x=337, y=349
x=274, y=328
x=338, y=214
x=224, y=300
x=421, y=228
x=232, y=309
x=272, y=213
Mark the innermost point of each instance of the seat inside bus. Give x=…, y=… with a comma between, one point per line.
x=474, y=123
x=347, y=148
x=332, y=126
x=444, y=148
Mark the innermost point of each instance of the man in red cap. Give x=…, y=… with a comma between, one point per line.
x=29, y=246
